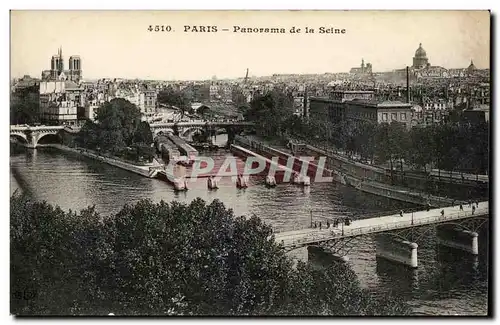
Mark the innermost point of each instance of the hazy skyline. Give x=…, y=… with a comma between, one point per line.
x=116, y=44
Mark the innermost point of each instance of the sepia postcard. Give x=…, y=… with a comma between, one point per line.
x=250, y=163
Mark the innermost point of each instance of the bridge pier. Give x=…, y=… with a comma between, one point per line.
x=397, y=250
x=454, y=237
x=324, y=255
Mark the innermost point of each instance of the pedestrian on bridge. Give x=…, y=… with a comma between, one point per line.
x=473, y=209
x=477, y=204
x=327, y=224
x=320, y=225
x=401, y=213
x=461, y=207
x=442, y=213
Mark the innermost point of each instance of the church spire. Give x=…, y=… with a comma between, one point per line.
x=61, y=62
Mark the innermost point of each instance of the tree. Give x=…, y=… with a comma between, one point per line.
x=422, y=146
x=392, y=142
x=24, y=106
x=172, y=97
x=239, y=99
x=202, y=110
x=118, y=125
x=143, y=134
x=365, y=139
x=164, y=259
x=271, y=110
x=88, y=137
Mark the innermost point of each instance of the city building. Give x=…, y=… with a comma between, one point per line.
x=201, y=92
x=380, y=112
x=435, y=104
x=359, y=105
x=24, y=82
x=57, y=68
x=420, y=60
x=362, y=70
x=479, y=113
x=421, y=67
x=333, y=108
x=434, y=116
x=147, y=102
x=60, y=100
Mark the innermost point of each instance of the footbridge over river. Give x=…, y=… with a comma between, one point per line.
x=395, y=238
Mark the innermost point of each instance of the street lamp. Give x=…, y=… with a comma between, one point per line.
x=412, y=218
x=311, y=212
x=342, y=227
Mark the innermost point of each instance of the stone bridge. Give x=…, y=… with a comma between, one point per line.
x=215, y=127
x=31, y=135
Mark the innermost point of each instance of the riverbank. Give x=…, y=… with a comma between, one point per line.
x=365, y=178
x=75, y=183
x=149, y=170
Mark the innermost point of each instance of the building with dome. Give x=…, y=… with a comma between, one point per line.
x=421, y=68
x=420, y=60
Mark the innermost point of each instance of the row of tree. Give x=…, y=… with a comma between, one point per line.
x=451, y=146
x=117, y=130
x=168, y=259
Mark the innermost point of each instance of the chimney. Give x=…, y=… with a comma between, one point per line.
x=407, y=85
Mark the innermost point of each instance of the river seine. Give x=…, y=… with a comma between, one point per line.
x=447, y=282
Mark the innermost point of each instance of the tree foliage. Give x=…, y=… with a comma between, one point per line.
x=449, y=146
x=168, y=259
x=118, y=126
x=25, y=106
x=173, y=97
x=271, y=111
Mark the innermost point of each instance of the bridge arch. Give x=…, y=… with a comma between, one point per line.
x=191, y=131
x=162, y=131
x=221, y=131
x=54, y=135
x=20, y=136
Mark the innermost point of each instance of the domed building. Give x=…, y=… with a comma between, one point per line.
x=420, y=59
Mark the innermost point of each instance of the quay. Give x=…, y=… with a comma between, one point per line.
x=365, y=178
x=282, y=174
x=390, y=246
x=149, y=170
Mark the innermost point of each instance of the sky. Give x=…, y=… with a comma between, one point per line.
x=117, y=44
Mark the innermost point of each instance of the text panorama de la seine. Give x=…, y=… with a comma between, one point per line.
x=249, y=30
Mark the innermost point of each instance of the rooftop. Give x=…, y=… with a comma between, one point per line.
x=354, y=91
x=379, y=104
